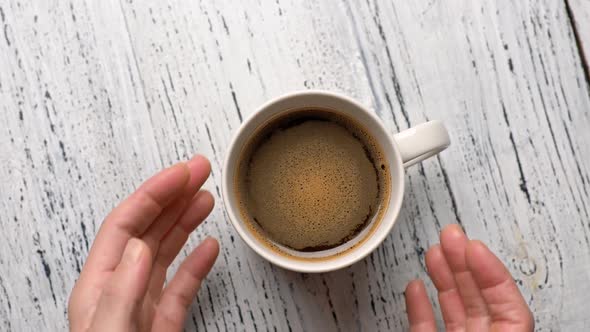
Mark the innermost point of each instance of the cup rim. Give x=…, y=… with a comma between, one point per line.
x=395, y=201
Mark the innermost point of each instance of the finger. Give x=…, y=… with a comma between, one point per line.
x=163, y=224
x=418, y=307
x=179, y=294
x=173, y=242
x=449, y=298
x=504, y=301
x=118, y=305
x=199, y=170
x=133, y=216
x=454, y=243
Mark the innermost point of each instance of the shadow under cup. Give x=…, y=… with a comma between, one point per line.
x=358, y=246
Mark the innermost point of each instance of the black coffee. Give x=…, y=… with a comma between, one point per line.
x=311, y=180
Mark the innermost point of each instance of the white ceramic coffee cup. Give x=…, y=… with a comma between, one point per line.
x=401, y=150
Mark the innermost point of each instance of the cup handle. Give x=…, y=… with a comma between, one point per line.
x=422, y=141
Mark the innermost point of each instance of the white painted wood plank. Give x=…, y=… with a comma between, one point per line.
x=579, y=12
x=509, y=83
x=97, y=96
x=73, y=109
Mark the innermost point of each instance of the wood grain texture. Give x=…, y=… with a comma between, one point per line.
x=98, y=95
x=579, y=14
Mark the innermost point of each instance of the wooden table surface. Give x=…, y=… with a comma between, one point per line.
x=98, y=95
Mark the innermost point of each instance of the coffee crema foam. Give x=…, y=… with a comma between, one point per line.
x=311, y=180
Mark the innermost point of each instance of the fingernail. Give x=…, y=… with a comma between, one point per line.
x=203, y=197
x=458, y=227
x=180, y=163
x=479, y=243
x=132, y=251
x=197, y=156
x=454, y=228
x=210, y=241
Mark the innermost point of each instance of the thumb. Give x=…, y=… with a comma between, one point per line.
x=122, y=296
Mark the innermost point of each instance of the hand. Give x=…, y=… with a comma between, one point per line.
x=121, y=287
x=475, y=290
